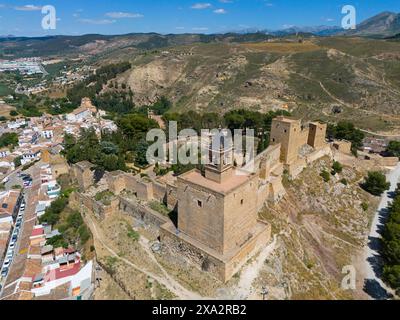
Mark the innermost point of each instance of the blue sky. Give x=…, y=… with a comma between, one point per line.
x=75, y=17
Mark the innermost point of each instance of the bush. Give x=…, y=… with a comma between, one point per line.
x=325, y=175
x=135, y=236
x=344, y=182
x=57, y=241
x=336, y=168
x=375, y=183
x=364, y=206
x=52, y=213
x=84, y=234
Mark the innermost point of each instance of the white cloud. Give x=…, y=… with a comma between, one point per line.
x=288, y=26
x=28, y=7
x=220, y=11
x=200, y=29
x=201, y=6
x=94, y=21
x=121, y=15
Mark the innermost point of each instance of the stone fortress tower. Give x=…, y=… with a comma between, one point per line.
x=293, y=137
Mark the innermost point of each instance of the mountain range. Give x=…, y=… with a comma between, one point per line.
x=385, y=24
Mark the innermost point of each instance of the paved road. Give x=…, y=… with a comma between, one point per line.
x=374, y=286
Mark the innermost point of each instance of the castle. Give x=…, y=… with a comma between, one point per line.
x=217, y=227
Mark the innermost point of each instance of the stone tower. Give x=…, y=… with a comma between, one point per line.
x=317, y=134
x=219, y=208
x=288, y=133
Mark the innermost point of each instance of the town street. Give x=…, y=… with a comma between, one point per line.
x=372, y=263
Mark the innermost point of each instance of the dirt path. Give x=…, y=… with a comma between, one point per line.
x=245, y=288
x=394, y=136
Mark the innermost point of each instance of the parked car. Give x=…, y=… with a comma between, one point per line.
x=12, y=245
x=4, y=272
x=6, y=263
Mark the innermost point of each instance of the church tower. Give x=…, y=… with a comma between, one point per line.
x=220, y=160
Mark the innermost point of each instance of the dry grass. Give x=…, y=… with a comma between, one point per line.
x=5, y=110
x=283, y=47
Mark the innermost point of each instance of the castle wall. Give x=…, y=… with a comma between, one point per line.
x=318, y=154
x=172, y=197
x=83, y=175
x=342, y=146
x=159, y=192
x=221, y=267
x=83, y=203
x=116, y=181
x=142, y=213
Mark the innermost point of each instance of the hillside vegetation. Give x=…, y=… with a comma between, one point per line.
x=322, y=78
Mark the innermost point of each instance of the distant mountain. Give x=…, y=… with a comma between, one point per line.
x=385, y=24
x=317, y=30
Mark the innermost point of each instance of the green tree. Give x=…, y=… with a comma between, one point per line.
x=17, y=161
x=8, y=139
x=394, y=148
x=345, y=130
x=375, y=183
x=140, y=153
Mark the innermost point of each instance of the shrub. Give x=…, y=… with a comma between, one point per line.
x=135, y=236
x=344, y=181
x=325, y=175
x=84, y=234
x=336, y=168
x=364, y=206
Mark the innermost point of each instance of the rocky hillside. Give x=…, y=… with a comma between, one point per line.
x=327, y=78
x=323, y=226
